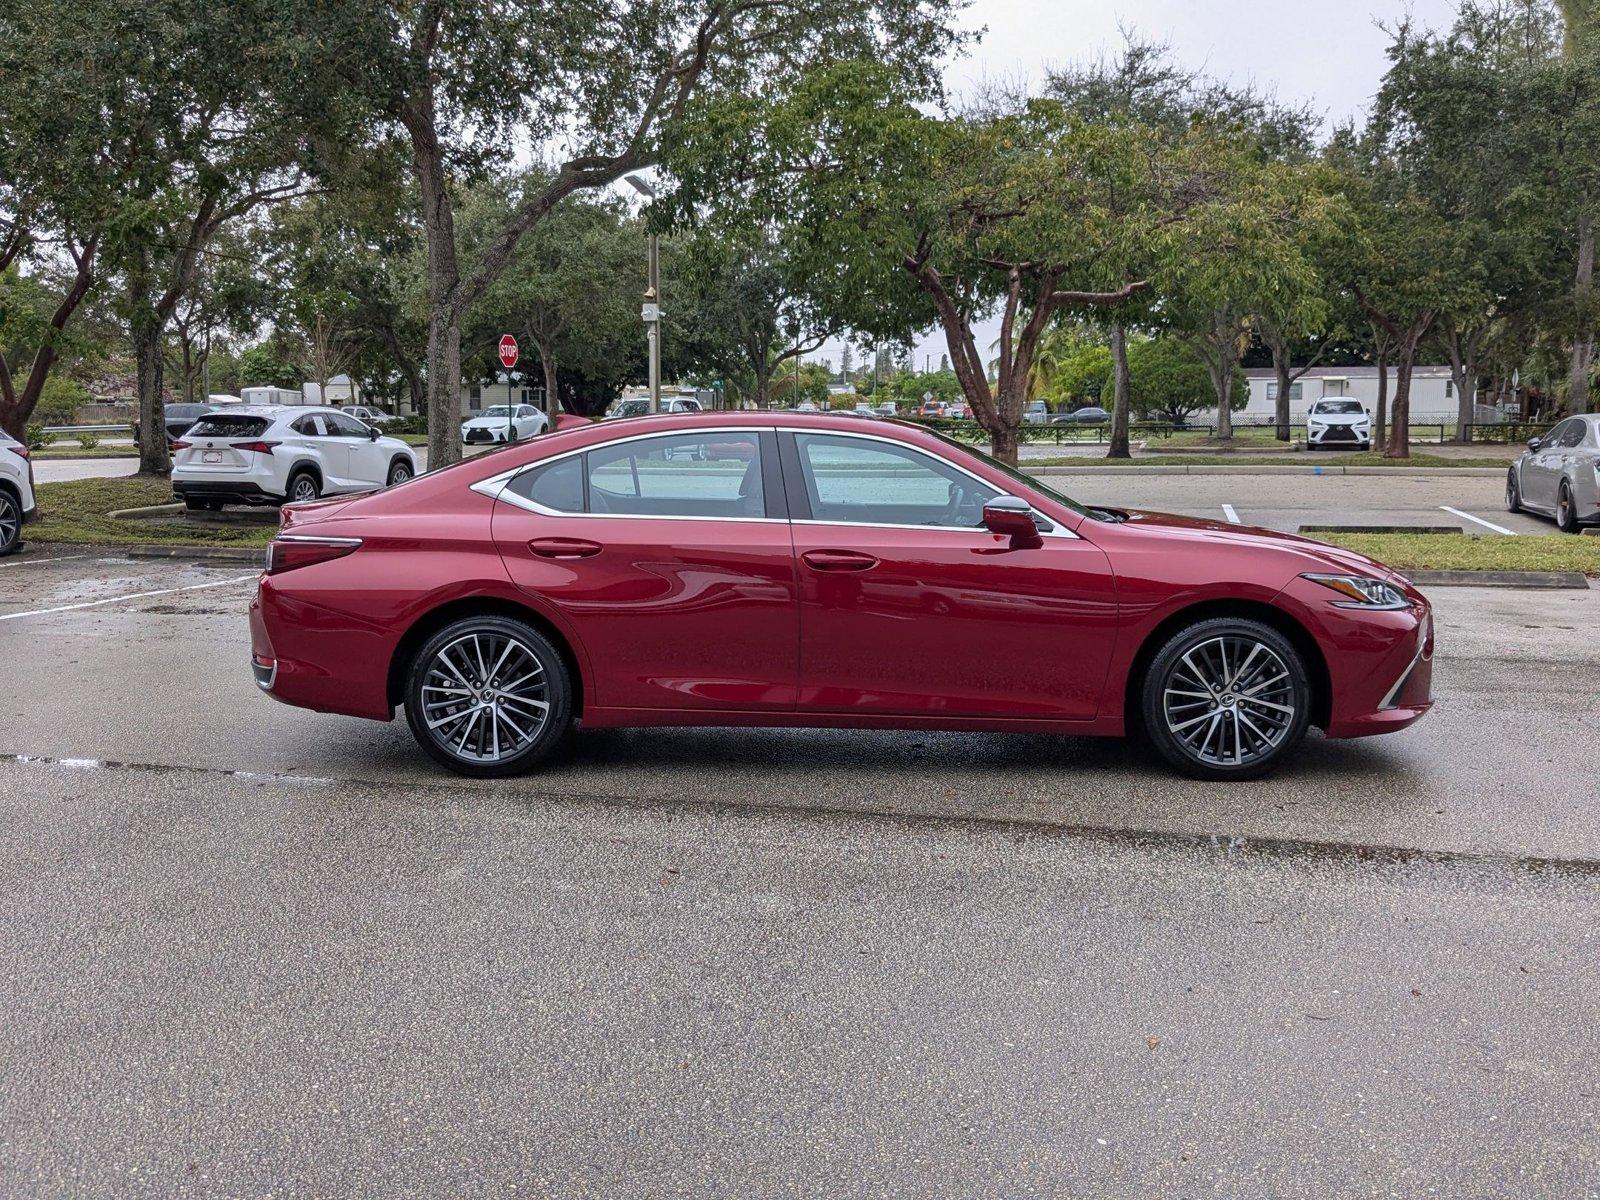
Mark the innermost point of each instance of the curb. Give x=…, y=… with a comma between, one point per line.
x=1379, y=529
x=1275, y=469
x=242, y=554
x=1500, y=579
x=148, y=510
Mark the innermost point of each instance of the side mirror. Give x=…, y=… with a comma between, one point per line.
x=372, y=434
x=1010, y=516
x=1535, y=442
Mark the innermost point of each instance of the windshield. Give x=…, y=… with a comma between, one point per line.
x=1340, y=408
x=1037, y=485
x=498, y=410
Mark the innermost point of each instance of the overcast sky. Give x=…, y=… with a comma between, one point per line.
x=1328, y=52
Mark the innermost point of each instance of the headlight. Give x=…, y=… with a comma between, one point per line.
x=1361, y=592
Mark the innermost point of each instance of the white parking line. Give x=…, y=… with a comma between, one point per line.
x=1480, y=521
x=193, y=587
x=34, y=562
x=1228, y=511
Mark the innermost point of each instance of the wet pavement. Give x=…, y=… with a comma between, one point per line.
x=255, y=949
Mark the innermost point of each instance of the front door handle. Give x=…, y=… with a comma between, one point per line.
x=838, y=560
x=560, y=547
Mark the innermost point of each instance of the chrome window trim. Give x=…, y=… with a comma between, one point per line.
x=494, y=486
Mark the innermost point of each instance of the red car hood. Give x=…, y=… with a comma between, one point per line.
x=1320, y=555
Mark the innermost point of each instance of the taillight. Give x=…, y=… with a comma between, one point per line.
x=289, y=553
x=176, y=446
x=258, y=447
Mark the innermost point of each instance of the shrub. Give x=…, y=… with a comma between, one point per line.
x=36, y=437
x=88, y=441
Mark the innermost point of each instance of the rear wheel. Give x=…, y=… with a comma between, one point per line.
x=1566, y=510
x=1513, y=491
x=303, y=486
x=1227, y=698
x=10, y=524
x=488, y=696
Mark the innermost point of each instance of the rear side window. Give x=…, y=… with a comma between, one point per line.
x=221, y=425
x=558, y=485
x=679, y=475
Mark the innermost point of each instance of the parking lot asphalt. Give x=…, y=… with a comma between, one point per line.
x=253, y=949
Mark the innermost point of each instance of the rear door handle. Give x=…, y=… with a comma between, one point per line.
x=838, y=560
x=560, y=547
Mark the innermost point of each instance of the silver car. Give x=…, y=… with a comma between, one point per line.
x=1559, y=476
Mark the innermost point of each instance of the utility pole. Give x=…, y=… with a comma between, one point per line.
x=652, y=299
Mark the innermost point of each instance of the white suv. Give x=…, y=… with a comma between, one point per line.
x=1338, y=423
x=16, y=492
x=369, y=416
x=270, y=455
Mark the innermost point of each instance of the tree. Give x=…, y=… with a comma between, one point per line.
x=1024, y=213
x=1169, y=381
x=609, y=83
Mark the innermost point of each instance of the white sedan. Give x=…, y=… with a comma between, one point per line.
x=501, y=423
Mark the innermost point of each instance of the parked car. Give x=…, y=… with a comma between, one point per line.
x=1036, y=413
x=806, y=406
x=276, y=454
x=931, y=408
x=16, y=492
x=501, y=423
x=888, y=409
x=956, y=412
x=178, y=418
x=1559, y=475
x=863, y=409
x=1340, y=423
x=632, y=575
x=368, y=415
x=1088, y=415
x=641, y=408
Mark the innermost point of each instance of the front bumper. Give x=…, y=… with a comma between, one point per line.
x=483, y=437
x=1338, y=435
x=1379, y=663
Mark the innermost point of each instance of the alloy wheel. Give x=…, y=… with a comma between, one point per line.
x=399, y=474
x=305, y=488
x=484, y=697
x=10, y=524
x=1229, y=701
x=1513, y=500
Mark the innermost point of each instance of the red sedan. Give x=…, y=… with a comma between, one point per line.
x=770, y=569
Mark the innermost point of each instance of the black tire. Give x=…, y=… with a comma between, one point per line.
x=1257, y=720
x=447, y=665
x=1513, y=492
x=399, y=472
x=10, y=523
x=1566, y=510
x=303, y=487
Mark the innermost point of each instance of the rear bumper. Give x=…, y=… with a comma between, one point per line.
x=238, y=492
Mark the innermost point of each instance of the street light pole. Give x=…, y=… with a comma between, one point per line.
x=652, y=298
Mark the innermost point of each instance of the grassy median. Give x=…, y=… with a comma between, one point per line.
x=77, y=511
x=1468, y=552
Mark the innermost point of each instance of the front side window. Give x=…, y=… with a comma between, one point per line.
x=340, y=425
x=853, y=481
x=1571, y=435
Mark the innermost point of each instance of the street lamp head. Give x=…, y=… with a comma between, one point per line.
x=641, y=185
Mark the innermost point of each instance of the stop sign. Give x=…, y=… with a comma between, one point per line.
x=508, y=351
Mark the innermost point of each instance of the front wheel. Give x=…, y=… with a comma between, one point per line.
x=1227, y=698
x=1566, y=510
x=488, y=696
x=399, y=472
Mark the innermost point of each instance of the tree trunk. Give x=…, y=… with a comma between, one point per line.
x=154, y=458
x=1121, y=387
x=444, y=286
x=1003, y=445
x=1463, y=351
x=1399, y=443
x=552, y=391
x=444, y=392
x=763, y=393
x=17, y=407
x=1380, y=428
x=1583, y=339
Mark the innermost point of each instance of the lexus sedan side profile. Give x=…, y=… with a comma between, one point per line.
x=779, y=569
x=1559, y=476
